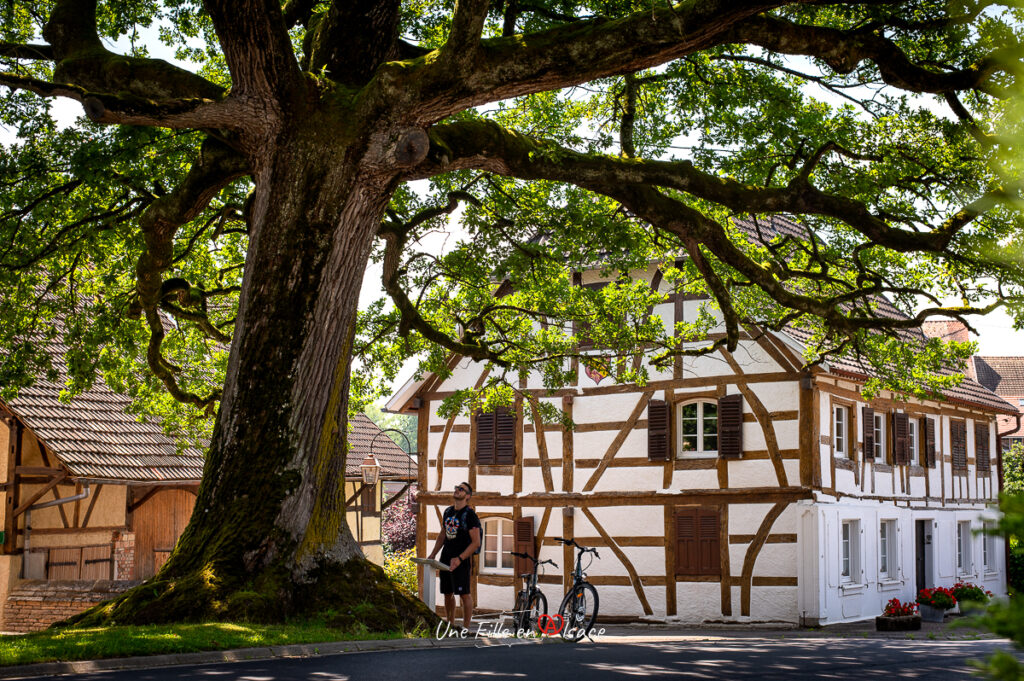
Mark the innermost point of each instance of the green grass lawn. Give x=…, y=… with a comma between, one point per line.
x=100, y=642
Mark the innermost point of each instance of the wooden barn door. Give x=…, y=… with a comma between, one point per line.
x=158, y=522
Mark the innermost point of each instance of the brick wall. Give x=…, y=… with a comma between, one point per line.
x=36, y=604
x=124, y=555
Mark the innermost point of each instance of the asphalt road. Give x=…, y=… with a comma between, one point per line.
x=764, y=659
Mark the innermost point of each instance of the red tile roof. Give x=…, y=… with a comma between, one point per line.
x=1002, y=375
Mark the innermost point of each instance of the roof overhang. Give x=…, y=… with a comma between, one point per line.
x=402, y=401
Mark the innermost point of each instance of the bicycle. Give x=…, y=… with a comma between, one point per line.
x=578, y=610
x=530, y=601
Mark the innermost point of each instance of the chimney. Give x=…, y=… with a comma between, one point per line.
x=950, y=330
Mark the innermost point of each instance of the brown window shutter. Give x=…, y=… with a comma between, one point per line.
x=687, y=562
x=868, y=432
x=523, y=534
x=708, y=542
x=485, y=449
x=982, y=456
x=929, y=442
x=730, y=426
x=958, y=437
x=900, y=426
x=657, y=430
x=505, y=437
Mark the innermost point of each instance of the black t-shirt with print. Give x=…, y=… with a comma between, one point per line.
x=457, y=525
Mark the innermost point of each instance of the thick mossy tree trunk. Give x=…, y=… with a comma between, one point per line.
x=268, y=538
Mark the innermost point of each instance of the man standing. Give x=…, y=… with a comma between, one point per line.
x=460, y=540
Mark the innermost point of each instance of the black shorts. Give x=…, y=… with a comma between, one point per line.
x=457, y=580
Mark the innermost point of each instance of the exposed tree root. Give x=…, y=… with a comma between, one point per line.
x=350, y=596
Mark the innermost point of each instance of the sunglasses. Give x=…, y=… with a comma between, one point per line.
x=460, y=488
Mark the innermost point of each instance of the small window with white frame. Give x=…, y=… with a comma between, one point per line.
x=698, y=429
x=963, y=547
x=879, y=429
x=914, y=449
x=497, y=546
x=841, y=431
x=849, y=564
x=888, y=550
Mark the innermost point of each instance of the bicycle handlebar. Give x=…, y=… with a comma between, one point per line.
x=526, y=555
x=583, y=549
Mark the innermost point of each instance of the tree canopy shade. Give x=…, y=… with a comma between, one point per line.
x=210, y=221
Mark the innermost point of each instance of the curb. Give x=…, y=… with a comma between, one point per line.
x=50, y=669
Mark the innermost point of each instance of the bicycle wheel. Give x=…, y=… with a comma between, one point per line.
x=538, y=606
x=578, y=611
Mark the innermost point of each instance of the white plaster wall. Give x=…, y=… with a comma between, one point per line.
x=646, y=478
x=696, y=479
x=624, y=521
x=792, y=471
x=746, y=518
x=603, y=408
x=787, y=434
x=772, y=604
x=700, y=601
x=777, y=395
x=776, y=560
x=753, y=435
x=753, y=473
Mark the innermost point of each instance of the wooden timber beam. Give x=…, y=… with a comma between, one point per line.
x=14, y=436
x=27, y=504
x=39, y=470
x=748, y=495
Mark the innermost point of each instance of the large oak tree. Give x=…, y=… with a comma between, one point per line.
x=202, y=235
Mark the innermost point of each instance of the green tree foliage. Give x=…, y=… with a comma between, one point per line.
x=198, y=239
x=1013, y=469
x=1006, y=618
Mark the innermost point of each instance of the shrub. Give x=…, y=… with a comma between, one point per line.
x=965, y=591
x=896, y=609
x=1016, y=575
x=939, y=597
x=400, y=568
x=399, y=525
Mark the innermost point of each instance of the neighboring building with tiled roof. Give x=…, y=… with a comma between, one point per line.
x=366, y=438
x=1005, y=377
x=96, y=499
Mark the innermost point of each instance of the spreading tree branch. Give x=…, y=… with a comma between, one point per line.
x=216, y=166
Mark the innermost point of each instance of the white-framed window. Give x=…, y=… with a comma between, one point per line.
x=698, y=429
x=988, y=547
x=850, y=570
x=963, y=547
x=888, y=550
x=879, y=428
x=841, y=431
x=497, y=546
x=914, y=448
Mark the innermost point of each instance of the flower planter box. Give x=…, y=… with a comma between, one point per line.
x=903, y=623
x=931, y=614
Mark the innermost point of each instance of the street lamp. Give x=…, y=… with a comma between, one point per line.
x=370, y=469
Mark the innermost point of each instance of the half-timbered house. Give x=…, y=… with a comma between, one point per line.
x=738, y=486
